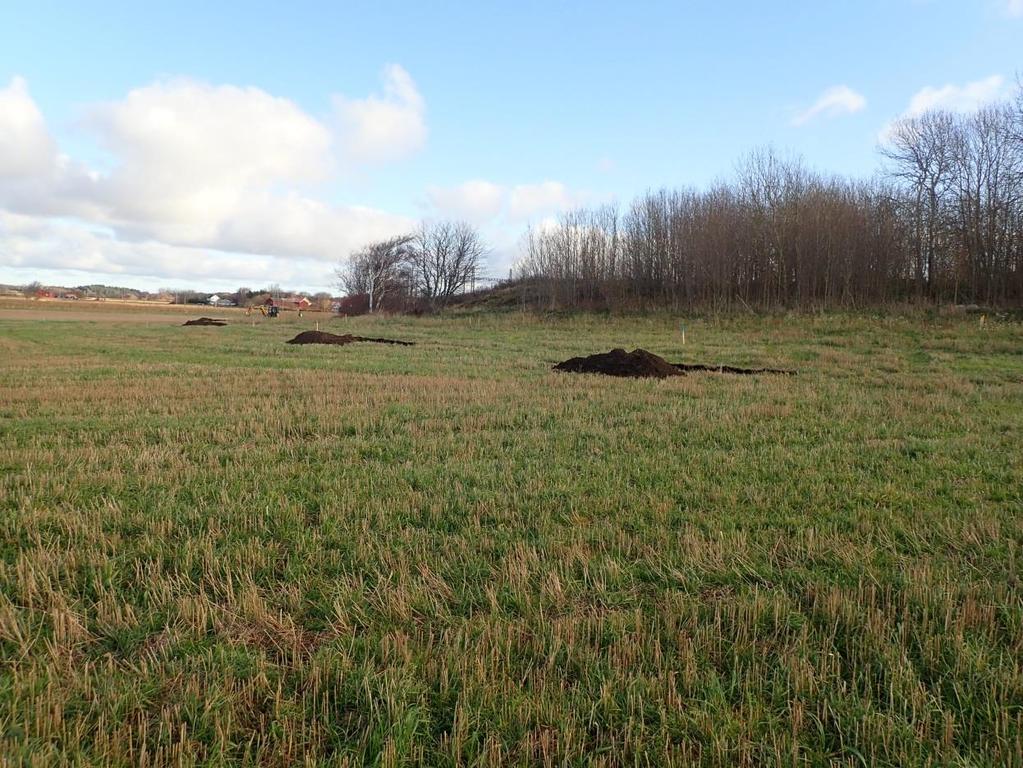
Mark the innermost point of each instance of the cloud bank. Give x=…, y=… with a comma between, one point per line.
x=951, y=97
x=480, y=201
x=956, y=98
x=199, y=174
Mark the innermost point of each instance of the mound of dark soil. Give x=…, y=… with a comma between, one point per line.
x=642, y=364
x=206, y=321
x=322, y=337
x=635, y=364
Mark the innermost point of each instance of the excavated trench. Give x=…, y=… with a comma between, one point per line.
x=322, y=337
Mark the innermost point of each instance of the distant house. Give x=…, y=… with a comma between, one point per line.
x=213, y=300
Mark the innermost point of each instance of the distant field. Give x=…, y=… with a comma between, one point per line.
x=115, y=311
x=217, y=549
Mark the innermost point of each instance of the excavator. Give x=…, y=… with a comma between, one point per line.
x=272, y=311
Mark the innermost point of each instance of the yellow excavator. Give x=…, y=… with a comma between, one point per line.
x=264, y=310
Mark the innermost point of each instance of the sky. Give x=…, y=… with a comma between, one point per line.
x=218, y=145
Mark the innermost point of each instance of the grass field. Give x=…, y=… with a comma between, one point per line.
x=219, y=549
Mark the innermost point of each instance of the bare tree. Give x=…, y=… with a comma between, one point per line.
x=322, y=301
x=920, y=151
x=987, y=196
x=378, y=270
x=444, y=258
x=1016, y=108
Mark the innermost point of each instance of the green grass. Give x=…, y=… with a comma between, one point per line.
x=218, y=549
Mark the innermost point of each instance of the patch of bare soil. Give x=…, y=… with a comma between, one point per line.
x=642, y=364
x=206, y=321
x=637, y=364
x=322, y=337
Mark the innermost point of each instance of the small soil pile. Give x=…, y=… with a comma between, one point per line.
x=206, y=321
x=322, y=337
x=636, y=364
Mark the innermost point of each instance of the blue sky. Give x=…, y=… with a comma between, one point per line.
x=218, y=144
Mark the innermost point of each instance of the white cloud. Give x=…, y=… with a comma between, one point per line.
x=195, y=169
x=500, y=211
x=382, y=128
x=475, y=201
x=304, y=227
x=192, y=157
x=545, y=198
x=1014, y=8
x=482, y=201
x=956, y=98
x=834, y=101
x=26, y=148
x=34, y=176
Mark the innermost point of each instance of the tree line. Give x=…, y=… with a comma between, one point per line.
x=942, y=221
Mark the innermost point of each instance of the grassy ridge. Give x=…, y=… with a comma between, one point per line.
x=219, y=549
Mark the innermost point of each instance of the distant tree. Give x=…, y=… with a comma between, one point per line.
x=444, y=257
x=920, y=152
x=32, y=289
x=322, y=301
x=1017, y=115
x=985, y=200
x=378, y=270
x=189, y=297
